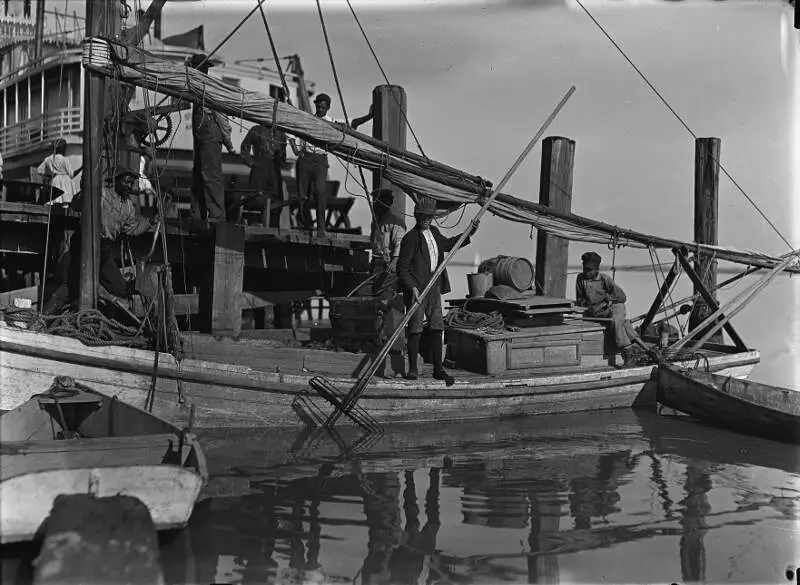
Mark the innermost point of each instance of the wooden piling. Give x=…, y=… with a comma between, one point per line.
x=555, y=191
x=100, y=541
x=389, y=105
x=706, y=208
x=224, y=311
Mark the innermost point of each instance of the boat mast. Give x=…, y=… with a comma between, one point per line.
x=102, y=19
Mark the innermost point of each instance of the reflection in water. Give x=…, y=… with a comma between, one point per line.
x=567, y=499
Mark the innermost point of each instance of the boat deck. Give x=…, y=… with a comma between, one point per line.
x=275, y=356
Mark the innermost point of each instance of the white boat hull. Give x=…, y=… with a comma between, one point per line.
x=168, y=491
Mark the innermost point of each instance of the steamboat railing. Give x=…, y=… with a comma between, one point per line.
x=18, y=137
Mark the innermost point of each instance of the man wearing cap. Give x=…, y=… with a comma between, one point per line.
x=210, y=130
x=312, y=169
x=119, y=217
x=386, y=233
x=421, y=251
x=603, y=298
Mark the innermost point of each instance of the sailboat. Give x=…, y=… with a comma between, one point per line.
x=248, y=384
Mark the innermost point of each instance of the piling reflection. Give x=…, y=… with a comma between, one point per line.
x=508, y=506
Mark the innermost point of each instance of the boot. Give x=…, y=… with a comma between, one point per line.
x=436, y=351
x=628, y=357
x=413, y=351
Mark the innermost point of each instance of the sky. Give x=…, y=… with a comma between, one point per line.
x=482, y=76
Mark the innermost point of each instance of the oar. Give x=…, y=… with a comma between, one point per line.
x=360, y=385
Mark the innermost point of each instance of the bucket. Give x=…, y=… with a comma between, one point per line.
x=479, y=283
x=510, y=270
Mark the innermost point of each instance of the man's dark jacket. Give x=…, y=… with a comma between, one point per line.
x=414, y=263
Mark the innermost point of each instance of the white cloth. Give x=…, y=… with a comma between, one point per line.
x=433, y=249
x=58, y=170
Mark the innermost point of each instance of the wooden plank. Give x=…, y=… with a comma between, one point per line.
x=555, y=192
x=228, y=276
x=708, y=297
x=94, y=541
x=19, y=458
x=662, y=293
x=30, y=293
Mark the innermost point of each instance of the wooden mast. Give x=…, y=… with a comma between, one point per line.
x=101, y=19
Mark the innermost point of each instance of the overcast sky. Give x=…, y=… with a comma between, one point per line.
x=482, y=76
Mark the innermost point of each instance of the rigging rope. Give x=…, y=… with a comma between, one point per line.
x=386, y=79
x=344, y=109
x=464, y=319
x=683, y=123
x=275, y=56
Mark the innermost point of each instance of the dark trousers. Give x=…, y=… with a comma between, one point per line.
x=110, y=275
x=431, y=308
x=208, y=186
x=312, y=169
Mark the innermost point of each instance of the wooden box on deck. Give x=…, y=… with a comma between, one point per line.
x=495, y=353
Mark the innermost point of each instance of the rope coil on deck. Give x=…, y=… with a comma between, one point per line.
x=461, y=318
x=89, y=327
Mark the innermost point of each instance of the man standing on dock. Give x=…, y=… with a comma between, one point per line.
x=210, y=131
x=312, y=169
x=605, y=300
x=268, y=146
x=421, y=251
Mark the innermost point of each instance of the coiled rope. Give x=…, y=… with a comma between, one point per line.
x=90, y=327
x=465, y=319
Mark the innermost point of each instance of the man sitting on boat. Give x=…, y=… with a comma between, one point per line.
x=119, y=217
x=603, y=298
x=421, y=251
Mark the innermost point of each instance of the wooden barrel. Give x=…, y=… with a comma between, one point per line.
x=510, y=270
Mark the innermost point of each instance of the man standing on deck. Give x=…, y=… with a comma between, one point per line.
x=312, y=169
x=210, y=130
x=604, y=299
x=421, y=251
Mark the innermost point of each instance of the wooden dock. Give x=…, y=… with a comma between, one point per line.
x=252, y=267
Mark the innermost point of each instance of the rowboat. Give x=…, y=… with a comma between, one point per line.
x=74, y=440
x=741, y=405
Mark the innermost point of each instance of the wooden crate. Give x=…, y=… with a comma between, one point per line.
x=357, y=317
x=534, y=347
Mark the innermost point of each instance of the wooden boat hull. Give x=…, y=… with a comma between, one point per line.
x=169, y=492
x=230, y=395
x=739, y=405
x=71, y=439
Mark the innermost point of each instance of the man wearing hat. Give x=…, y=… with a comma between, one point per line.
x=312, y=169
x=119, y=218
x=210, y=130
x=421, y=251
x=603, y=298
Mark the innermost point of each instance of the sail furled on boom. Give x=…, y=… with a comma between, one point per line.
x=410, y=172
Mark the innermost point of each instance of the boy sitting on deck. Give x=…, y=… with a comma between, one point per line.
x=604, y=299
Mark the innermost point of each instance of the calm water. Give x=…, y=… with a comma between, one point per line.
x=604, y=497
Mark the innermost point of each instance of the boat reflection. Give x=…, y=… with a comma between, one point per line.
x=504, y=504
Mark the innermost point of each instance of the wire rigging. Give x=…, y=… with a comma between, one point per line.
x=683, y=123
